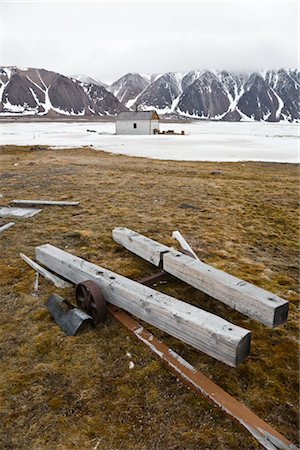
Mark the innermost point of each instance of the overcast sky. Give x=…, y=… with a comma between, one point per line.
x=108, y=39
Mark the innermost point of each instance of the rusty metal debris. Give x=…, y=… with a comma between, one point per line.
x=267, y=436
x=152, y=280
x=69, y=320
x=90, y=299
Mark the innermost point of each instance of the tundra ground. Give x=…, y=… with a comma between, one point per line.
x=59, y=392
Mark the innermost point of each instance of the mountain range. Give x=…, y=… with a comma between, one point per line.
x=271, y=95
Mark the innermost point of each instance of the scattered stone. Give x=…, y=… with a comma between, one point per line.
x=131, y=365
x=187, y=206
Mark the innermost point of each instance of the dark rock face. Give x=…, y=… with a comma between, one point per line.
x=189, y=79
x=205, y=97
x=258, y=101
x=160, y=94
x=67, y=96
x=221, y=95
x=102, y=102
x=232, y=116
x=19, y=92
x=42, y=92
x=232, y=82
x=127, y=88
x=270, y=96
x=286, y=84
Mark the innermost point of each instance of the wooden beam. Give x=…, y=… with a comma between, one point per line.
x=6, y=226
x=43, y=202
x=58, y=282
x=18, y=212
x=254, y=302
x=140, y=245
x=201, y=329
x=246, y=298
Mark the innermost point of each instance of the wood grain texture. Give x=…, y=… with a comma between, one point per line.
x=18, y=212
x=246, y=298
x=140, y=245
x=252, y=301
x=201, y=329
x=58, y=282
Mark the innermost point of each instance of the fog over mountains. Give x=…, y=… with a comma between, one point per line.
x=271, y=95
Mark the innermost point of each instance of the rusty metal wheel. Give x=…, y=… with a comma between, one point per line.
x=90, y=299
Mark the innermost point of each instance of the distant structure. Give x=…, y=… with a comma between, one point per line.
x=137, y=122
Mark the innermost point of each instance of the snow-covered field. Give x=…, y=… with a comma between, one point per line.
x=205, y=141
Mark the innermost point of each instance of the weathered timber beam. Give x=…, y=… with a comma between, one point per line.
x=6, y=226
x=58, y=282
x=246, y=298
x=267, y=436
x=43, y=202
x=204, y=331
x=140, y=245
x=254, y=302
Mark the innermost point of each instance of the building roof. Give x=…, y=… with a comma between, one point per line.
x=138, y=115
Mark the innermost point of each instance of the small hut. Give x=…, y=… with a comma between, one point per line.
x=137, y=122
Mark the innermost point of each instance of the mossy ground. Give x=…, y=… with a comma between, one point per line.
x=59, y=392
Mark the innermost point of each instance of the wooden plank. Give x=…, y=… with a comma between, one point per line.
x=246, y=298
x=267, y=436
x=18, y=212
x=184, y=244
x=254, y=302
x=58, y=282
x=6, y=226
x=201, y=329
x=140, y=245
x=43, y=202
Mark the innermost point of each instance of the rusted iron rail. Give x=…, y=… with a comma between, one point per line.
x=267, y=436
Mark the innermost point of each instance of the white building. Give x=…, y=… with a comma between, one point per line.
x=137, y=122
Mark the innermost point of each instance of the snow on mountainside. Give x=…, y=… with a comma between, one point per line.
x=88, y=80
x=162, y=94
x=206, y=97
x=46, y=93
x=271, y=95
x=128, y=87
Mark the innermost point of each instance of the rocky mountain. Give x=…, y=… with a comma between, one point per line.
x=206, y=97
x=88, y=80
x=286, y=84
x=222, y=95
x=271, y=95
x=127, y=88
x=161, y=94
x=45, y=93
x=259, y=101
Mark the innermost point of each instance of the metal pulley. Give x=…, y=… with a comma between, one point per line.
x=89, y=298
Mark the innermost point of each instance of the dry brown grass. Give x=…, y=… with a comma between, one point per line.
x=59, y=392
